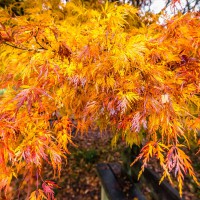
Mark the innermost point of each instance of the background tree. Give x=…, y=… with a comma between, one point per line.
x=188, y=5
x=15, y=6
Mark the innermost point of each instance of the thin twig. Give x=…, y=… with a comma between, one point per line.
x=25, y=49
x=38, y=41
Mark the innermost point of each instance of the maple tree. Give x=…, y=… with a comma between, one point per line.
x=103, y=66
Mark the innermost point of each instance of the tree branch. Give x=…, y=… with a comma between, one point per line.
x=25, y=49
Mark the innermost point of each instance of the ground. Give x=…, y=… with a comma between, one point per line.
x=79, y=180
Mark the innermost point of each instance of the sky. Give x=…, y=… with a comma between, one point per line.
x=157, y=5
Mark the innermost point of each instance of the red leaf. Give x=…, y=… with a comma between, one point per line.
x=48, y=189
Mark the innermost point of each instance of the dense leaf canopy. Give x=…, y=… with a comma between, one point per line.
x=104, y=66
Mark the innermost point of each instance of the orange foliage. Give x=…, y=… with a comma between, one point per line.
x=102, y=67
